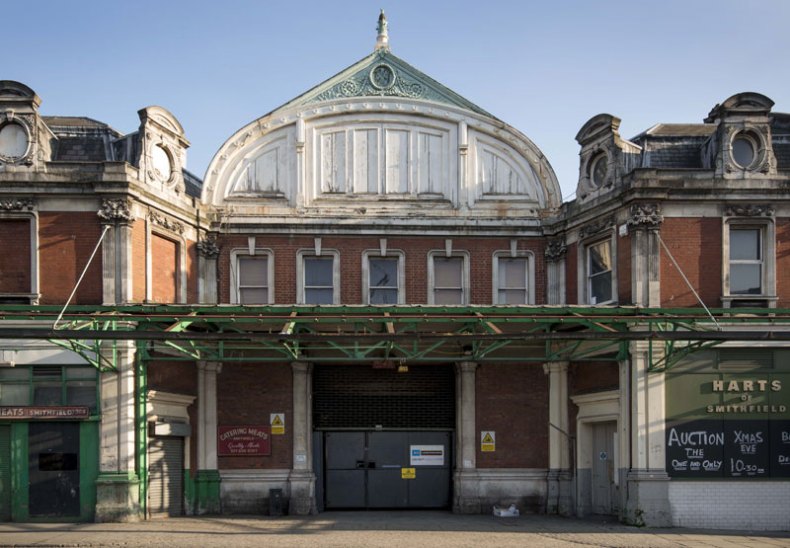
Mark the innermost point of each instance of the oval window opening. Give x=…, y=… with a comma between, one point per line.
x=743, y=151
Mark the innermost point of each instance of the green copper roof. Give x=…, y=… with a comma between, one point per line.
x=382, y=74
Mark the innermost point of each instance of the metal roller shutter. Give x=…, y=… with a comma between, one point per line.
x=165, y=477
x=363, y=397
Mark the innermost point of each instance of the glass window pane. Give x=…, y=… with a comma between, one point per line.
x=318, y=271
x=512, y=296
x=253, y=295
x=448, y=296
x=383, y=272
x=601, y=288
x=14, y=394
x=600, y=257
x=746, y=279
x=253, y=271
x=80, y=373
x=47, y=394
x=447, y=271
x=318, y=296
x=743, y=151
x=512, y=272
x=745, y=244
x=14, y=374
x=81, y=393
x=383, y=296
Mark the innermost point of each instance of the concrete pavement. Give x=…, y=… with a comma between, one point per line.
x=375, y=529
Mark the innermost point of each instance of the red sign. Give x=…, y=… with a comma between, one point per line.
x=26, y=412
x=235, y=441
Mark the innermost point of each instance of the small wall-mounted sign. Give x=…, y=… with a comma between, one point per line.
x=487, y=441
x=277, y=422
x=408, y=473
x=234, y=441
x=26, y=412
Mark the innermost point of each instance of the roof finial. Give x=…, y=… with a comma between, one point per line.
x=383, y=38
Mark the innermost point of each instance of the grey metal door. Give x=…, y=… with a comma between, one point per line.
x=603, y=468
x=54, y=469
x=165, y=477
x=365, y=470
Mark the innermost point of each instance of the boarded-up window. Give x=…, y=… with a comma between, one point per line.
x=15, y=253
x=333, y=162
x=431, y=163
x=164, y=270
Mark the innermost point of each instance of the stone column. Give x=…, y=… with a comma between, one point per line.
x=117, y=485
x=302, y=478
x=208, y=251
x=559, y=498
x=116, y=252
x=644, y=225
x=466, y=480
x=207, y=479
x=555, y=271
x=647, y=502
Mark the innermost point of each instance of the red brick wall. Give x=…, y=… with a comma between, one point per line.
x=783, y=262
x=587, y=377
x=164, y=270
x=512, y=400
x=66, y=241
x=138, y=261
x=624, y=270
x=351, y=247
x=246, y=394
x=15, y=253
x=696, y=245
x=192, y=272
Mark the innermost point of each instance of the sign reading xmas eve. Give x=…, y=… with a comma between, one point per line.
x=254, y=440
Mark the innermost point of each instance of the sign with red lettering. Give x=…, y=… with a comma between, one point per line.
x=27, y=412
x=246, y=441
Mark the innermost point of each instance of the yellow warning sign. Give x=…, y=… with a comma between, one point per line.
x=408, y=473
x=277, y=422
x=487, y=441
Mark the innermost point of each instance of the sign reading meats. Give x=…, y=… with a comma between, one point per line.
x=254, y=440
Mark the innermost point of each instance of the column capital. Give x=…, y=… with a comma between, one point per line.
x=215, y=367
x=466, y=367
x=555, y=367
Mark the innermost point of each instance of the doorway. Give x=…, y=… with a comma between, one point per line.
x=54, y=469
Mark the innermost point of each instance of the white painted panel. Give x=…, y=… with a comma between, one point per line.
x=497, y=176
x=333, y=162
x=267, y=171
x=366, y=156
x=430, y=159
x=397, y=161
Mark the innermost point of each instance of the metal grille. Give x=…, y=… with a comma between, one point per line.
x=367, y=398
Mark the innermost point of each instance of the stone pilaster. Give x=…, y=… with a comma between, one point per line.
x=208, y=251
x=555, y=271
x=559, y=497
x=647, y=502
x=117, y=485
x=466, y=480
x=644, y=224
x=116, y=252
x=207, y=480
x=302, y=478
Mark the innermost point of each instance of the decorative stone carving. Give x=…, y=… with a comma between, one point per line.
x=749, y=210
x=115, y=210
x=555, y=250
x=596, y=227
x=207, y=247
x=17, y=204
x=381, y=80
x=645, y=216
x=165, y=222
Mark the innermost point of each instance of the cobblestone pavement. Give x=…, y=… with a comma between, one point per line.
x=374, y=529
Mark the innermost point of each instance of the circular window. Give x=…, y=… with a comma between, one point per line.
x=744, y=150
x=13, y=141
x=382, y=76
x=599, y=167
x=160, y=162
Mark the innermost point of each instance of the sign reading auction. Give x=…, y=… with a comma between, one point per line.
x=244, y=441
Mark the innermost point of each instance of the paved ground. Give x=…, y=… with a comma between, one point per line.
x=373, y=529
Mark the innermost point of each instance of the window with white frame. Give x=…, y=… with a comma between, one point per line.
x=749, y=263
x=513, y=278
x=448, y=278
x=318, y=278
x=746, y=261
x=599, y=270
x=252, y=277
x=383, y=277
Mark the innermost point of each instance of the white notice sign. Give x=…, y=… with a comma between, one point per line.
x=427, y=455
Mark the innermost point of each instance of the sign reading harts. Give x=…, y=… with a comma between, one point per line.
x=245, y=441
x=728, y=420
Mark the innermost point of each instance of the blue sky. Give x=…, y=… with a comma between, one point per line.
x=545, y=68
